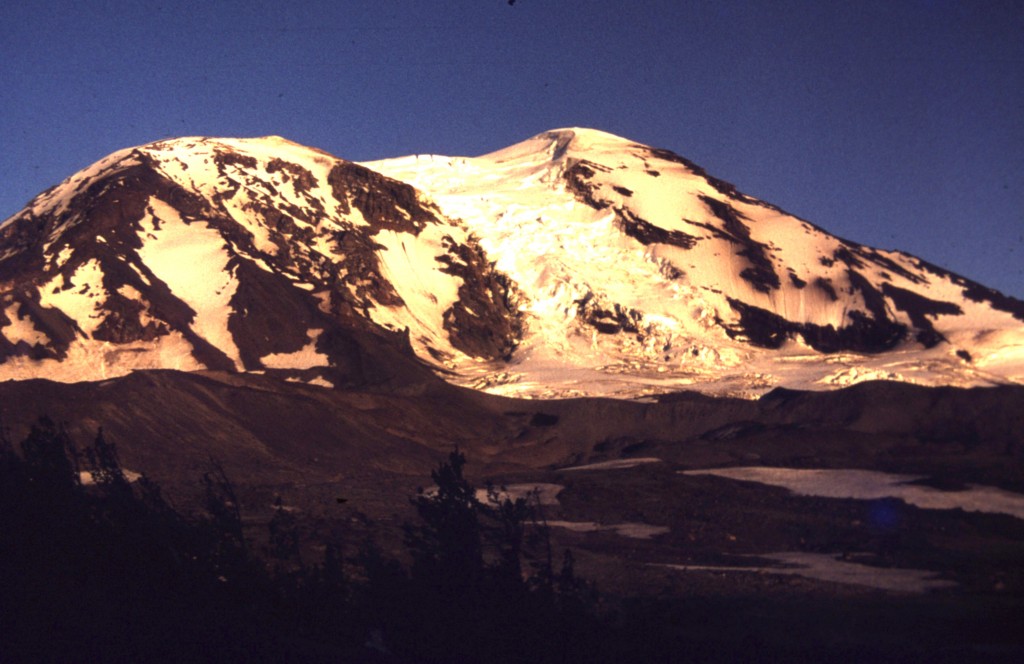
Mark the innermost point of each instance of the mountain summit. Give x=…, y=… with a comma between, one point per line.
x=573, y=263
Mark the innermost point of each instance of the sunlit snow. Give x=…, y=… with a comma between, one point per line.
x=22, y=329
x=83, y=298
x=91, y=360
x=191, y=259
x=409, y=263
x=305, y=358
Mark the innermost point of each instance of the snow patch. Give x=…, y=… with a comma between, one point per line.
x=855, y=375
x=631, y=530
x=82, y=300
x=617, y=464
x=305, y=358
x=22, y=329
x=89, y=360
x=88, y=478
x=193, y=261
x=832, y=568
x=547, y=494
x=409, y=263
x=873, y=485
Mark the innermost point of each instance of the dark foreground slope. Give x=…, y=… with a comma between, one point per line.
x=293, y=437
x=348, y=462
x=263, y=430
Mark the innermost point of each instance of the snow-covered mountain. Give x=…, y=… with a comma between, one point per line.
x=575, y=262
x=254, y=255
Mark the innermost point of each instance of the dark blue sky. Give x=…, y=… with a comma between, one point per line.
x=899, y=124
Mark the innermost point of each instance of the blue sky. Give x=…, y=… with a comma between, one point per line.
x=898, y=124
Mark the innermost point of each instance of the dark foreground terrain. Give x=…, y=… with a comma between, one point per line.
x=687, y=567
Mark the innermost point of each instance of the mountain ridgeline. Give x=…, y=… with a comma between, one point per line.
x=575, y=262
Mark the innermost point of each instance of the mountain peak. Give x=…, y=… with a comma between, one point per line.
x=555, y=144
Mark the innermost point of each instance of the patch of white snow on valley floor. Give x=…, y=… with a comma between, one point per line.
x=88, y=478
x=632, y=530
x=829, y=567
x=616, y=464
x=872, y=485
x=547, y=494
